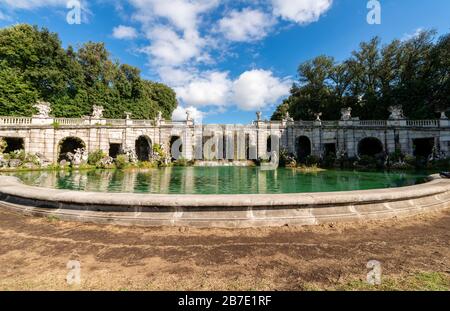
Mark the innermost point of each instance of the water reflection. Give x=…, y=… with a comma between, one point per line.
x=221, y=180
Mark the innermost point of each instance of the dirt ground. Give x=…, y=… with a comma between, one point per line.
x=414, y=253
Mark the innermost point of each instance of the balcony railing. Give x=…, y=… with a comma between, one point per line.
x=15, y=121
x=372, y=123
x=423, y=123
x=68, y=121
x=86, y=122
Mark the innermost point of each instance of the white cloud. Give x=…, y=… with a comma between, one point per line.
x=168, y=48
x=180, y=114
x=32, y=4
x=210, y=89
x=14, y=5
x=246, y=25
x=183, y=14
x=301, y=11
x=257, y=89
x=124, y=32
x=252, y=90
x=409, y=36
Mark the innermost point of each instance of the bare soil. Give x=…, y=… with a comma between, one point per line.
x=34, y=253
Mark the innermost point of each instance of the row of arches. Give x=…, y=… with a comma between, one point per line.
x=369, y=146
x=143, y=147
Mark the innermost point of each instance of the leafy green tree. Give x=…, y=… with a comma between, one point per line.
x=413, y=73
x=34, y=66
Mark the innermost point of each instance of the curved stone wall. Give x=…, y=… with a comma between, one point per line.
x=225, y=210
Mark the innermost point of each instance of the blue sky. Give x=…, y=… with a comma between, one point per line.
x=227, y=59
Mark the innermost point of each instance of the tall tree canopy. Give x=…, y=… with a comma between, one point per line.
x=413, y=73
x=34, y=66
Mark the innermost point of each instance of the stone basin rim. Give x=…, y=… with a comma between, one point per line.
x=13, y=187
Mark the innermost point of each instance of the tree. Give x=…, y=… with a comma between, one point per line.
x=34, y=66
x=413, y=73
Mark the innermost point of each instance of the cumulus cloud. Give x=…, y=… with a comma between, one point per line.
x=168, y=48
x=183, y=14
x=210, y=89
x=257, y=89
x=301, y=11
x=180, y=114
x=124, y=32
x=252, y=90
x=246, y=25
x=185, y=37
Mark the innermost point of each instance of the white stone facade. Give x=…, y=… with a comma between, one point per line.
x=44, y=135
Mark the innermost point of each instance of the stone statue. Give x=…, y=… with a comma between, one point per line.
x=159, y=118
x=259, y=116
x=318, y=116
x=346, y=114
x=79, y=157
x=188, y=116
x=44, y=110
x=396, y=113
x=443, y=115
x=288, y=117
x=97, y=112
x=128, y=115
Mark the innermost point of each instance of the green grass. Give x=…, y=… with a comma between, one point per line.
x=420, y=281
x=52, y=218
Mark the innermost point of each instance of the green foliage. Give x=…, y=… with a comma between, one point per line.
x=312, y=160
x=122, y=161
x=182, y=162
x=95, y=157
x=147, y=165
x=414, y=73
x=3, y=145
x=34, y=66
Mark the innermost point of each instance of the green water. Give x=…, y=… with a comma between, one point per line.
x=220, y=180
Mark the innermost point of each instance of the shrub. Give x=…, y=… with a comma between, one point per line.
x=312, y=160
x=17, y=155
x=147, y=165
x=3, y=145
x=122, y=161
x=367, y=162
x=95, y=157
x=329, y=160
x=410, y=160
x=396, y=156
x=182, y=162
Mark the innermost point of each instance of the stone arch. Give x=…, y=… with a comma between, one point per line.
x=69, y=145
x=303, y=147
x=175, y=139
x=370, y=146
x=144, y=148
x=14, y=144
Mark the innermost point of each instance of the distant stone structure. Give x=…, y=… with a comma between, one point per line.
x=51, y=137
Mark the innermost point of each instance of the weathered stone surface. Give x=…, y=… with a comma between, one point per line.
x=97, y=134
x=226, y=210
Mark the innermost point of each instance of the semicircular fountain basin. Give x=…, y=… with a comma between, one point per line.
x=222, y=197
